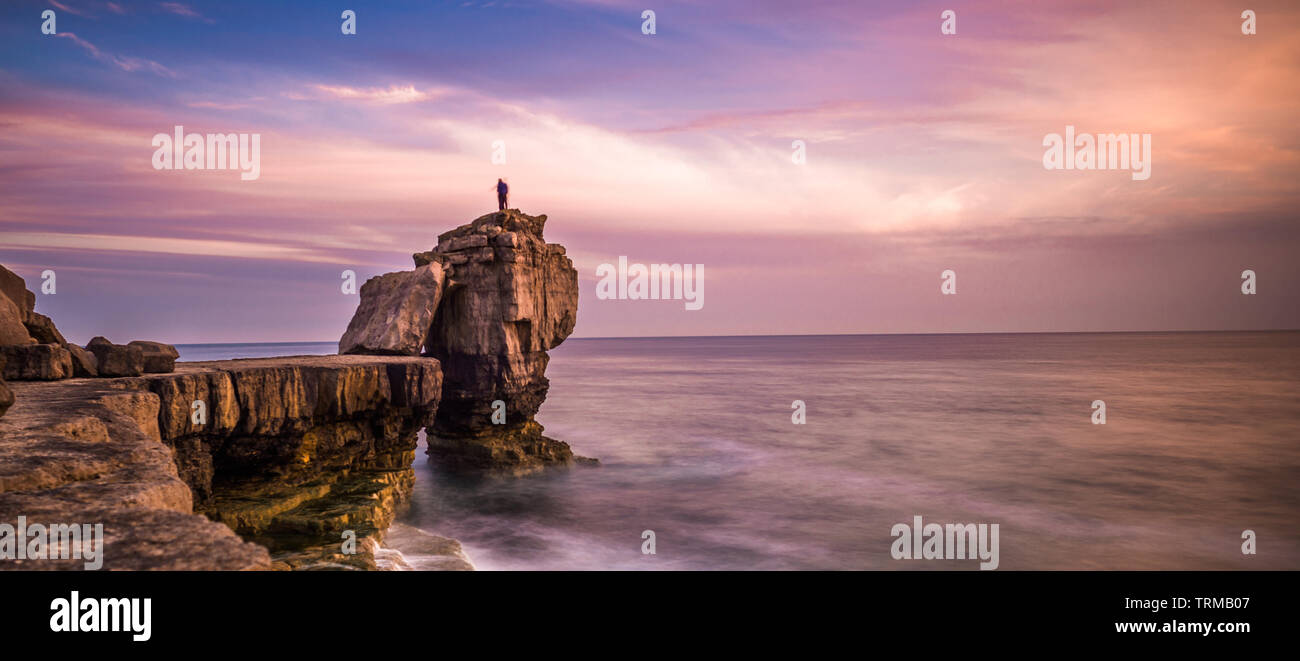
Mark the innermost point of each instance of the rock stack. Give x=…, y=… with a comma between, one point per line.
x=488, y=302
x=33, y=349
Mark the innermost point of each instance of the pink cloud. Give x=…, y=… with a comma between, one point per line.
x=392, y=94
x=183, y=10
x=63, y=7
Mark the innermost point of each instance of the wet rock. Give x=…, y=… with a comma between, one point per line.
x=116, y=360
x=423, y=551
x=158, y=358
x=36, y=362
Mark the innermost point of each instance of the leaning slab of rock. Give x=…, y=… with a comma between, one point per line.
x=159, y=358
x=116, y=359
x=84, y=363
x=395, y=313
x=36, y=362
x=42, y=328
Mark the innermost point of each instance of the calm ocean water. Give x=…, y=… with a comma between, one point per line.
x=197, y=352
x=1201, y=442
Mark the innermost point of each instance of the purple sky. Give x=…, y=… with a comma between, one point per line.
x=924, y=153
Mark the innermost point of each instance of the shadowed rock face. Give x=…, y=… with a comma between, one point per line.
x=507, y=298
x=292, y=452
x=509, y=302
x=36, y=362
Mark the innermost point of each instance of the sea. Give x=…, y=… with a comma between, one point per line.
x=1116, y=451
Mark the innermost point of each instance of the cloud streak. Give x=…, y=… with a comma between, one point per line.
x=123, y=62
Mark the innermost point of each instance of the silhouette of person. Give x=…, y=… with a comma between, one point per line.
x=502, y=192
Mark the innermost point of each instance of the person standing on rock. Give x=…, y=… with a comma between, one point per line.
x=502, y=192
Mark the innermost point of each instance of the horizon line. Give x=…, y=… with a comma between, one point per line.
x=671, y=337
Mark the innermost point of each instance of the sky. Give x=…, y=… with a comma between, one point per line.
x=923, y=152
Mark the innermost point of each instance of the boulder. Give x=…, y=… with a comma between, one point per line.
x=12, y=330
x=36, y=362
x=395, y=313
x=159, y=358
x=14, y=288
x=42, y=328
x=116, y=359
x=84, y=363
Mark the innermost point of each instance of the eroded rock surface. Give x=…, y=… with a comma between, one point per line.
x=293, y=452
x=36, y=362
x=288, y=452
x=16, y=304
x=156, y=357
x=507, y=298
x=88, y=452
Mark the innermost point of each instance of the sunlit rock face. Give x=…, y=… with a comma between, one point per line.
x=395, y=313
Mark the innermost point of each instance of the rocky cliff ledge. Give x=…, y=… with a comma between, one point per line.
x=288, y=452
x=488, y=302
